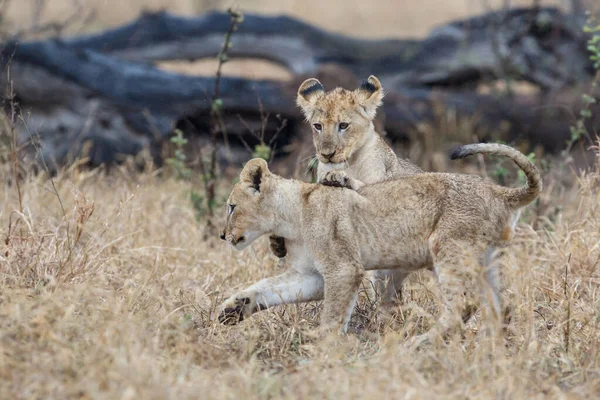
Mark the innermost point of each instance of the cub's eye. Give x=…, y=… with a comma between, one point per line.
x=231, y=208
x=318, y=127
x=343, y=126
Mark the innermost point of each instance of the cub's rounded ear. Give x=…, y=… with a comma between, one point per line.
x=370, y=95
x=254, y=172
x=308, y=92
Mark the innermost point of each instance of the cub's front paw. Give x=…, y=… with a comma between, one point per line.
x=337, y=179
x=238, y=307
x=234, y=310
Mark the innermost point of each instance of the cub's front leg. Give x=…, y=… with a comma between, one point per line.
x=340, y=179
x=335, y=175
x=289, y=287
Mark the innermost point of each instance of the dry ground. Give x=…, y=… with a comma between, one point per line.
x=114, y=297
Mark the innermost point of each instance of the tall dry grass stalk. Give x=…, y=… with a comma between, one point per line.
x=115, y=298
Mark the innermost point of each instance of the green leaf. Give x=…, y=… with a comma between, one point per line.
x=576, y=133
x=211, y=204
x=262, y=151
x=589, y=99
x=197, y=204
x=591, y=29
x=500, y=172
x=217, y=105
x=178, y=141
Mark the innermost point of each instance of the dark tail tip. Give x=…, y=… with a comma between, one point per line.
x=460, y=152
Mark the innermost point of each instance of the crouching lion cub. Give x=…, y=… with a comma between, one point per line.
x=334, y=234
x=344, y=137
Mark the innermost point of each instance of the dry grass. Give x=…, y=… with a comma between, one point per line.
x=115, y=298
x=108, y=291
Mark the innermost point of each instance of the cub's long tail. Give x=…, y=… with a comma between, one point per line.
x=516, y=197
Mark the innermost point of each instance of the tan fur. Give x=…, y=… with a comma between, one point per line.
x=359, y=149
x=334, y=235
x=507, y=233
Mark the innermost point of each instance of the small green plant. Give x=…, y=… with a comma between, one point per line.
x=177, y=162
x=262, y=151
x=217, y=127
x=579, y=130
x=204, y=205
x=594, y=42
x=197, y=204
x=500, y=172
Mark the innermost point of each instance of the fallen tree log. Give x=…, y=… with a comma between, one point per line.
x=73, y=96
x=540, y=45
x=95, y=90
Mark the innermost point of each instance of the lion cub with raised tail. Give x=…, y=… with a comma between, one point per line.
x=334, y=235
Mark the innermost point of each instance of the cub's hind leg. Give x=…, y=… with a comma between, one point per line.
x=342, y=281
x=456, y=265
x=386, y=286
x=496, y=295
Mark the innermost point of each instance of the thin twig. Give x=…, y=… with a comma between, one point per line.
x=10, y=95
x=281, y=127
x=216, y=124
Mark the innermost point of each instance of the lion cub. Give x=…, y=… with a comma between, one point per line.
x=334, y=234
x=344, y=135
x=345, y=139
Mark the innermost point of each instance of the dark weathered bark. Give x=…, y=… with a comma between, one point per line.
x=543, y=46
x=542, y=119
x=72, y=96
